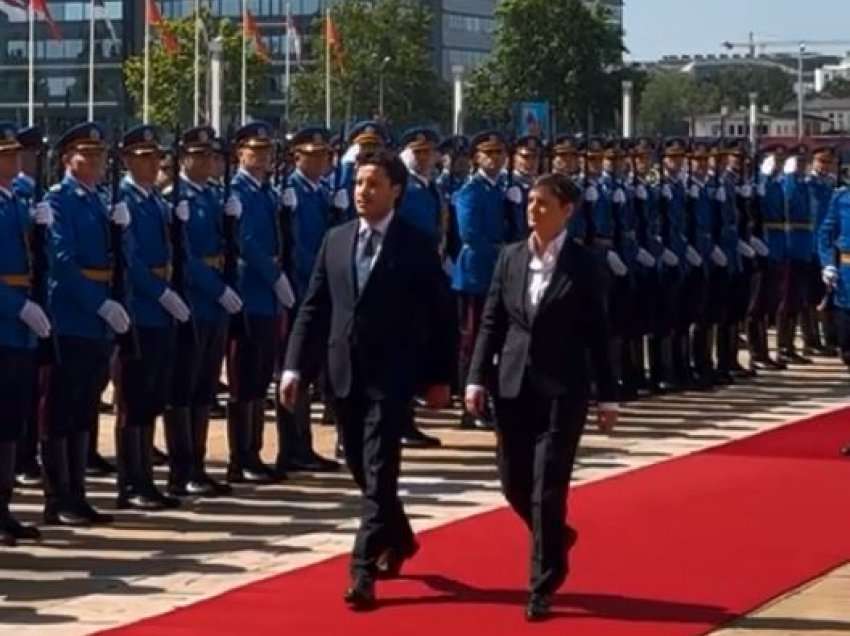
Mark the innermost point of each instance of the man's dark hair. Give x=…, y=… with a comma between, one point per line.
x=561, y=186
x=390, y=162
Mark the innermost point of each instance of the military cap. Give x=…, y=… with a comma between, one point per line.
x=528, y=145
x=593, y=147
x=311, y=140
x=615, y=148
x=564, y=145
x=701, y=149
x=488, y=140
x=729, y=147
x=9, y=137
x=31, y=137
x=257, y=134
x=454, y=145
x=675, y=147
x=642, y=146
x=141, y=140
x=369, y=132
x=420, y=138
x=197, y=140
x=86, y=136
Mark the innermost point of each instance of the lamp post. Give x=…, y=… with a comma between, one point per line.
x=457, y=72
x=627, y=108
x=800, y=90
x=381, y=70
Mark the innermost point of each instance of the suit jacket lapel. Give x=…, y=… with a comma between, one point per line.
x=348, y=253
x=560, y=277
x=386, y=257
x=520, y=275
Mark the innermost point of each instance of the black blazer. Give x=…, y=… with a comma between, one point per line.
x=549, y=350
x=392, y=337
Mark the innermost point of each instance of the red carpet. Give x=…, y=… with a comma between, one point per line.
x=678, y=548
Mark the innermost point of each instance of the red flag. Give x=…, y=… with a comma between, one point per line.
x=334, y=41
x=169, y=40
x=18, y=4
x=40, y=7
x=252, y=32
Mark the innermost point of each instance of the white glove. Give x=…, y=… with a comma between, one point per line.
x=174, y=305
x=115, y=316
x=182, y=211
x=619, y=196
x=718, y=257
x=790, y=165
x=350, y=155
x=667, y=191
x=746, y=190
x=42, y=214
x=341, y=199
x=830, y=276
x=120, y=214
x=290, y=199
x=617, y=266
x=591, y=195
x=645, y=258
x=768, y=166
x=720, y=195
x=284, y=292
x=693, y=256
x=230, y=300
x=745, y=250
x=34, y=317
x=693, y=191
x=759, y=246
x=514, y=195
x=233, y=207
x=641, y=193
x=669, y=258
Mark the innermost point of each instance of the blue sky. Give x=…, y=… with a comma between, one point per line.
x=659, y=27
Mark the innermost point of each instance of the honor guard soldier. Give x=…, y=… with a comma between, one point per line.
x=200, y=350
x=31, y=139
x=85, y=321
x=364, y=136
x=307, y=202
x=527, y=154
x=834, y=253
x=455, y=153
x=771, y=204
x=143, y=381
x=564, y=157
x=21, y=321
x=480, y=207
x=822, y=186
x=266, y=292
x=799, y=224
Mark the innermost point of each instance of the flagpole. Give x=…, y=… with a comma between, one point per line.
x=91, y=61
x=197, y=114
x=244, y=62
x=327, y=68
x=31, y=66
x=286, y=66
x=146, y=91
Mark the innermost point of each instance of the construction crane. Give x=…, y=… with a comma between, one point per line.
x=801, y=43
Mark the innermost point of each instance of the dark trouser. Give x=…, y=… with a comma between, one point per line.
x=842, y=319
x=295, y=435
x=373, y=455
x=70, y=393
x=470, y=308
x=142, y=386
x=17, y=367
x=793, y=292
x=251, y=361
x=696, y=296
x=664, y=326
x=538, y=437
x=763, y=302
x=26, y=455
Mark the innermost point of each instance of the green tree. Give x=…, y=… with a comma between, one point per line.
x=669, y=100
x=838, y=87
x=172, y=74
x=560, y=52
x=380, y=38
x=774, y=86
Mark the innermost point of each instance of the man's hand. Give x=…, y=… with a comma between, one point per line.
x=476, y=400
x=607, y=419
x=437, y=396
x=290, y=385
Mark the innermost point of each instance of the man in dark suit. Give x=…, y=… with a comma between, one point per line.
x=544, y=311
x=375, y=306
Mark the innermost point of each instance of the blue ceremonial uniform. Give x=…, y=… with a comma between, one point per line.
x=149, y=252
x=81, y=260
x=14, y=271
x=729, y=221
x=800, y=222
x=821, y=189
x=422, y=206
x=773, y=214
x=480, y=207
x=310, y=221
x=259, y=242
x=834, y=244
x=702, y=239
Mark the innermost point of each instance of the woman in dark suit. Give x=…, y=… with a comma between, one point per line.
x=544, y=312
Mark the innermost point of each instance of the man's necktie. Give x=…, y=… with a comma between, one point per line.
x=364, y=263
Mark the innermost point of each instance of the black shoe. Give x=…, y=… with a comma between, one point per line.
x=179, y=489
x=218, y=410
x=19, y=531
x=740, y=372
x=339, y=452
x=29, y=476
x=261, y=474
x=94, y=517
x=220, y=488
x=723, y=378
x=165, y=500
x=539, y=608
x=768, y=364
x=360, y=597
x=414, y=438
x=313, y=464
x=158, y=457
x=391, y=560
x=99, y=467
x=54, y=516
x=138, y=502
x=792, y=357
x=200, y=488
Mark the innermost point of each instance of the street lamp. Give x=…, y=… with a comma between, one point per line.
x=457, y=72
x=381, y=70
x=800, y=90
